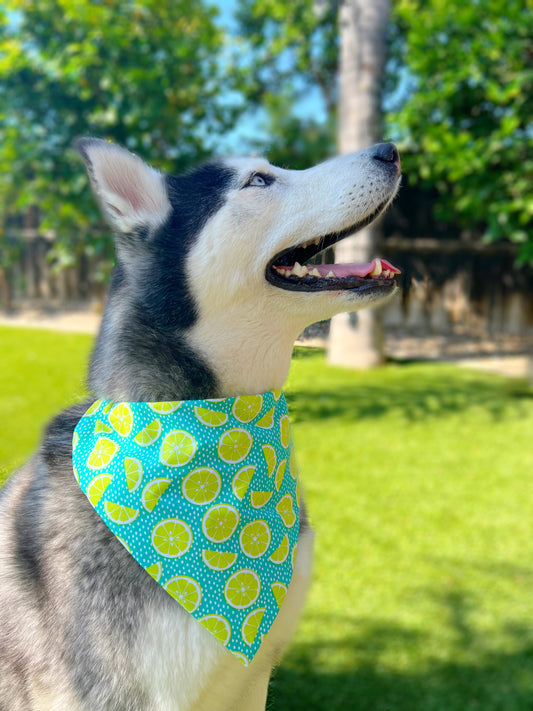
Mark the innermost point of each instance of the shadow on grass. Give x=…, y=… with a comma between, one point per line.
x=478, y=677
x=410, y=391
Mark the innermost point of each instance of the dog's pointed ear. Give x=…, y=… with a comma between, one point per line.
x=131, y=193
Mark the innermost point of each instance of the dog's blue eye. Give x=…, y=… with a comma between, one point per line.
x=258, y=180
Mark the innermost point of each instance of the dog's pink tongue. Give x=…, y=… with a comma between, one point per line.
x=374, y=268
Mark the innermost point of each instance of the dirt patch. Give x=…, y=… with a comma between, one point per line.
x=81, y=319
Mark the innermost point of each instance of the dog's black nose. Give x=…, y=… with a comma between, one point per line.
x=387, y=153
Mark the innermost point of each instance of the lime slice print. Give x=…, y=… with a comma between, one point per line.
x=103, y=452
x=293, y=467
x=282, y=551
x=258, y=499
x=246, y=407
x=119, y=513
x=153, y=491
x=255, y=538
x=279, y=590
x=155, y=570
x=284, y=431
x=276, y=393
x=243, y=659
x=251, y=624
x=149, y=434
x=201, y=486
x=186, y=591
x=178, y=448
x=211, y=418
x=121, y=419
x=293, y=555
x=76, y=475
x=75, y=440
x=269, y=453
x=267, y=421
x=280, y=472
x=97, y=486
x=171, y=538
x=219, y=560
x=218, y=626
x=164, y=408
x=123, y=542
x=220, y=522
x=133, y=470
x=234, y=446
x=286, y=511
x=94, y=407
x=101, y=427
x=241, y=481
x=242, y=589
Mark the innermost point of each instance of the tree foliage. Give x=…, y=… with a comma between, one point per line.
x=291, y=51
x=467, y=121
x=458, y=97
x=156, y=76
x=294, y=43
x=146, y=74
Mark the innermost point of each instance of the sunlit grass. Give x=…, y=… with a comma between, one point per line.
x=419, y=482
x=40, y=373
x=418, y=479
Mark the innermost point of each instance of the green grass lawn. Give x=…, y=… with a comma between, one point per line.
x=419, y=483
x=41, y=372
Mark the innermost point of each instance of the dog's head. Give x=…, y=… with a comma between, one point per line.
x=244, y=228
x=275, y=221
x=227, y=245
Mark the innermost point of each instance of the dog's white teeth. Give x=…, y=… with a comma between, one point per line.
x=314, y=272
x=300, y=270
x=330, y=275
x=378, y=268
x=387, y=274
x=312, y=242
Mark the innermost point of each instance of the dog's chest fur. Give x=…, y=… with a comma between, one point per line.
x=174, y=673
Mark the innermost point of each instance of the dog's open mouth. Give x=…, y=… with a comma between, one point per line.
x=289, y=269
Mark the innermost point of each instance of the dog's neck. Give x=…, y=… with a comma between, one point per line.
x=225, y=355
x=249, y=354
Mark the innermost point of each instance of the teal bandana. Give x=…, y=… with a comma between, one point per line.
x=203, y=494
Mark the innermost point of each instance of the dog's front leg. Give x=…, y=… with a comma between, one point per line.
x=232, y=687
x=283, y=628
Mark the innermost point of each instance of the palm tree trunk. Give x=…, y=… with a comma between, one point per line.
x=356, y=340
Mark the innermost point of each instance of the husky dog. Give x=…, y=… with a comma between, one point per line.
x=209, y=293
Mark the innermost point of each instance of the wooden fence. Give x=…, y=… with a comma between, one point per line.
x=455, y=286
x=451, y=286
x=34, y=275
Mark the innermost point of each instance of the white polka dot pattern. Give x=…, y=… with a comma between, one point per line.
x=203, y=494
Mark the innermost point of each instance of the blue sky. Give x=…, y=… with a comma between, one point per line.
x=252, y=126
x=227, y=8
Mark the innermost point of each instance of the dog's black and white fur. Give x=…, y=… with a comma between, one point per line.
x=202, y=304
